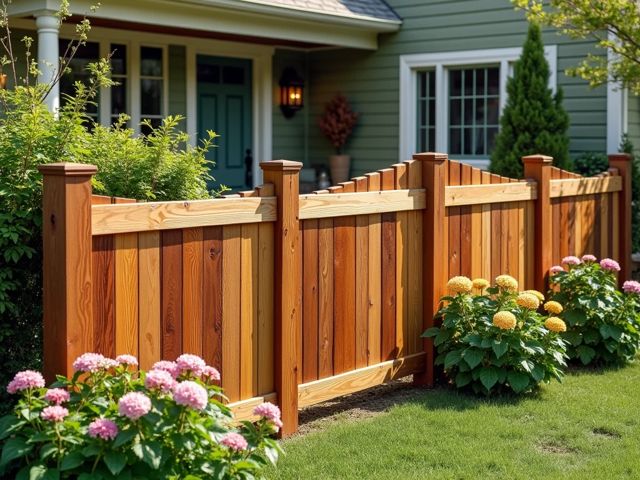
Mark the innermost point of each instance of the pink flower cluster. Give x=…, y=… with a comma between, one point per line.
x=127, y=360
x=57, y=396
x=610, y=265
x=190, y=363
x=170, y=367
x=211, y=373
x=25, y=380
x=134, y=405
x=556, y=269
x=103, y=428
x=56, y=413
x=571, y=260
x=631, y=286
x=234, y=441
x=159, y=380
x=589, y=258
x=93, y=362
x=191, y=394
x=269, y=412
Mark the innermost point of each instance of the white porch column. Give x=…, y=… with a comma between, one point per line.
x=48, y=54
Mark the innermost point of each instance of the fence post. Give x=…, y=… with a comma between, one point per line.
x=622, y=162
x=538, y=168
x=435, y=251
x=67, y=295
x=285, y=177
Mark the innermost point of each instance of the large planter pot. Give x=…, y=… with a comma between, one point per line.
x=340, y=166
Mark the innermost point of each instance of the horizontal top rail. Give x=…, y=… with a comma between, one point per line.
x=144, y=217
x=361, y=203
x=456, y=196
x=585, y=186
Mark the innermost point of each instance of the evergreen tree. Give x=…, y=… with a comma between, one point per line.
x=533, y=121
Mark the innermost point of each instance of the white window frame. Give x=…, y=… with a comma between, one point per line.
x=164, y=110
x=442, y=63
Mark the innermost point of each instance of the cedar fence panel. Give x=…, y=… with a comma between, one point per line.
x=298, y=299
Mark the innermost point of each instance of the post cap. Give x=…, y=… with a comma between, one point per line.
x=619, y=157
x=431, y=157
x=537, y=158
x=281, y=166
x=68, y=169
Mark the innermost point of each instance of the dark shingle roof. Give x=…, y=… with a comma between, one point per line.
x=363, y=9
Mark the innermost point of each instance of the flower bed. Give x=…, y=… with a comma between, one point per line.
x=112, y=421
x=604, y=322
x=493, y=338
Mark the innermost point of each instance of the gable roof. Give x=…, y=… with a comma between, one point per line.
x=361, y=9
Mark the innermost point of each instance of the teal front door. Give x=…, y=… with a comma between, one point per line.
x=224, y=106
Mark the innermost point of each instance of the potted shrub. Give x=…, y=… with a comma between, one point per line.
x=112, y=421
x=337, y=124
x=604, y=322
x=495, y=339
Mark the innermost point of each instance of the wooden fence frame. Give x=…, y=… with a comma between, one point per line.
x=70, y=220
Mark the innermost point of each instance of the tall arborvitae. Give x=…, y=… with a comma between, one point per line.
x=533, y=120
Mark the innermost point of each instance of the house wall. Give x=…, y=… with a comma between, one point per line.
x=178, y=81
x=633, y=119
x=370, y=79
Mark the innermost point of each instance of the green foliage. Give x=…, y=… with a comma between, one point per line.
x=160, y=166
x=533, y=121
x=170, y=441
x=627, y=146
x=589, y=164
x=604, y=323
x=479, y=353
x=596, y=20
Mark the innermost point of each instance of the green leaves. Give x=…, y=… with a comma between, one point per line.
x=115, y=461
x=519, y=381
x=149, y=452
x=585, y=354
x=499, y=347
x=14, y=448
x=452, y=358
x=488, y=377
x=473, y=357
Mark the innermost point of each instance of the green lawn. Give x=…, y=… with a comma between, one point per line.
x=586, y=428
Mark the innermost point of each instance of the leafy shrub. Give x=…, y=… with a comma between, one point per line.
x=589, y=164
x=493, y=339
x=604, y=323
x=627, y=146
x=110, y=421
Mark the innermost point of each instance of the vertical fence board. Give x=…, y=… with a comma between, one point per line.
x=415, y=283
x=231, y=330
x=265, y=309
x=487, y=234
x=453, y=214
x=465, y=226
x=103, y=273
x=374, y=283
x=150, y=288
x=126, y=294
x=192, y=264
x=212, y=305
x=362, y=279
x=497, y=234
x=310, y=301
x=248, y=309
x=325, y=297
x=388, y=271
x=402, y=261
x=476, y=230
x=171, y=294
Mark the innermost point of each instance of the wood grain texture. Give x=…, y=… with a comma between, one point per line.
x=310, y=301
x=265, y=309
x=414, y=267
x=402, y=264
x=453, y=215
x=103, y=282
x=231, y=330
x=143, y=217
x=570, y=187
x=473, y=194
x=126, y=286
x=388, y=346
x=476, y=230
x=171, y=294
x=150, y=297
x=192, y=290
x=248, y=311
x=465, y=226
x=325, y=297
x=212, y=300
x=374, y=283
x=362, y=280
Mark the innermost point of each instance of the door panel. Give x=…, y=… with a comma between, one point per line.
x=224, y=106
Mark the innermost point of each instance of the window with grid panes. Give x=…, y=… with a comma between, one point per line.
x=474, y=111
x=119, y=97
x=78, y=71
x=426, y=111
x=151, y=86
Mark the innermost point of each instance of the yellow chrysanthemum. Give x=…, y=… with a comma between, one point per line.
x=538, y=295
x=480, y=283
x=460, y=285
x=507, y=282
x=528, y=300
x=555, y=324
x=504, y=320
x=553, y=307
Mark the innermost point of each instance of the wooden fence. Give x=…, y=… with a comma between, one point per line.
x=298, y=299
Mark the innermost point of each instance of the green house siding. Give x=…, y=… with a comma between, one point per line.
x=633, y=119
x=290, y=134
x=371, y=79
x=178, y=81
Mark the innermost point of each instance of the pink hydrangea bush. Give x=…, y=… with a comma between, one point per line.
x=112, y=421
x=603, y=323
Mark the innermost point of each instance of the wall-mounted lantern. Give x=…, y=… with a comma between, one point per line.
x=291, y=92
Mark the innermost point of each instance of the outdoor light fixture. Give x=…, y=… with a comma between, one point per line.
x=291, y=90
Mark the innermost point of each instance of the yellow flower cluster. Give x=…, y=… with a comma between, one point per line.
x=504, y=320
x=460, y=285
x=528, y=301
x=538, y=295
x=555, y=324
x=507, y=282
x=553, y=307
x=480, y=283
